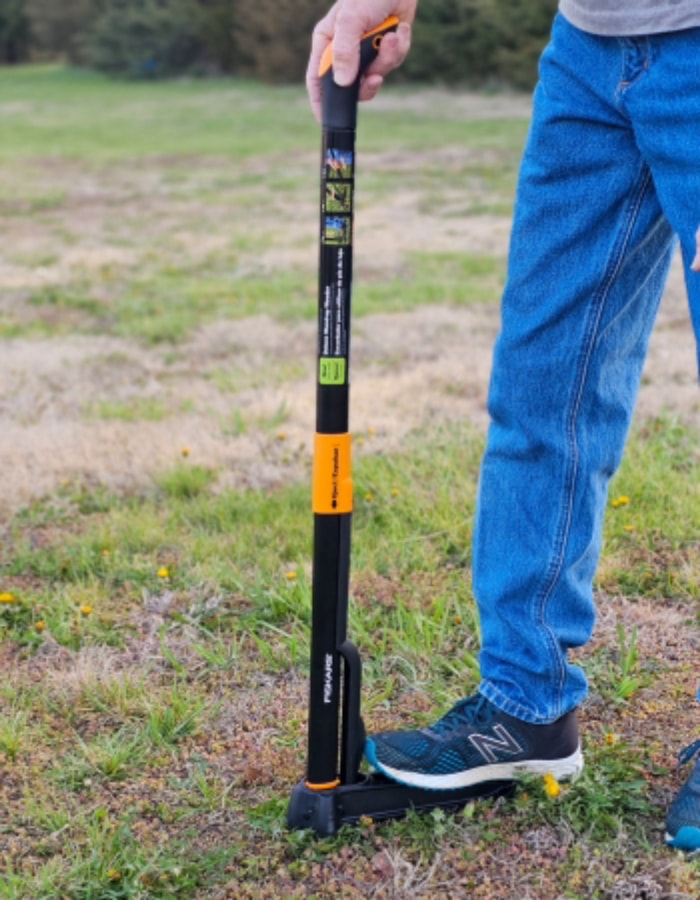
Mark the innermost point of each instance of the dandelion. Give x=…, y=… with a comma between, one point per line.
x=457, y=620
x=291, y=575
x=369, y=497
x=395, y=492
x=609, y=738
x=552, y=788
x=622, y=500
x=163, y=572
x=371, y=430
x=281, y=435
x=114, y=874
x=628, y=527
x=40, y=625
x=106, y=552
x=7, y=597
x=184, y=452
x=359, y=440
x=86, y=609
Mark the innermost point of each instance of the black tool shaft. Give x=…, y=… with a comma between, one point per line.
x=335, y=731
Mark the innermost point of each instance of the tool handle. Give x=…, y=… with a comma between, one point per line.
x=339, y=104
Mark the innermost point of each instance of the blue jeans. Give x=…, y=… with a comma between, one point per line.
x=610, y=176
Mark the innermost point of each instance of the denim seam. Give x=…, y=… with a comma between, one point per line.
x=508, y=706
x=642, y=285
x=571, y=471
x=631, y=69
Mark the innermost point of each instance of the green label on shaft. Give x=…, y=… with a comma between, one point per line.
x=331, y=370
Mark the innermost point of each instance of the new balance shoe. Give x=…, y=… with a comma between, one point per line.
x=473, y=743
x=683, y=819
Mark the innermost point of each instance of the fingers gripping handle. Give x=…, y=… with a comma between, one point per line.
x=339, y=104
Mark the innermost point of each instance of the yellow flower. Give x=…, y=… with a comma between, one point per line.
x=114, y=874
x=40, y=625
x=163, y=572
x=185, y=451
x=622, y=500
x=395, y=492
x=106, y=552
x=369, y=497
x=86, y=609
x=291, y=575
x=552, y=788
x=628, y=527
x=7, y=597
x=609, y=738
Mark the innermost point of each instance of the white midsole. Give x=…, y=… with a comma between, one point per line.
x=568, y=767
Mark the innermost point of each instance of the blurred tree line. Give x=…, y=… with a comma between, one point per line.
x=455, y=41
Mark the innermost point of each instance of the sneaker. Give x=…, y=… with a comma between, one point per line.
x=473, y=743
x=683, y=819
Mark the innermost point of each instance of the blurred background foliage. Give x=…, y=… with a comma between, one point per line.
x=465, y=42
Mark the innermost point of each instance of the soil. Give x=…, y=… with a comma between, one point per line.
x=410, y=370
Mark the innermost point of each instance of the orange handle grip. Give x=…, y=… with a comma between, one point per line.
x=339, y=104
x=371, y=39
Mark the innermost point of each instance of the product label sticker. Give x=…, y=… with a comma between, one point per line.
x=334, y=303
x=331, y=370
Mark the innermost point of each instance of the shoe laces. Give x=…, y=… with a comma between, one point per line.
x=475, y=710
x=687, y=753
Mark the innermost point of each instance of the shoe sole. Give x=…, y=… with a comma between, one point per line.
x=568, y=767
x=686, y=838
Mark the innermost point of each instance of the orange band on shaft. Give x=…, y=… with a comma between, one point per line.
x=331, y=477
x=328, y=786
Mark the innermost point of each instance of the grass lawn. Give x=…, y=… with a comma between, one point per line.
x=157, y=280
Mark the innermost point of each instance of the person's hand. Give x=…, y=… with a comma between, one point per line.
x=344, y=25
x=695, y=265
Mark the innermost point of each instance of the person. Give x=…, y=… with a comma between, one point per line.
x=608, y=183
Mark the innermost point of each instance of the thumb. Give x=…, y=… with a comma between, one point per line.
x=349, y=29
x=346, y=58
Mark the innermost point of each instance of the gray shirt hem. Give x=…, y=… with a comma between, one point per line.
x=615, y=18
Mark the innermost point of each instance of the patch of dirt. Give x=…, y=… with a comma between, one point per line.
x=410, y=370
x=239, y=395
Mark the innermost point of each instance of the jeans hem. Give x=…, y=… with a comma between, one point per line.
x=518, y=711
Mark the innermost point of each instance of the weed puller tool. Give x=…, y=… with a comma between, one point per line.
x=334, y=791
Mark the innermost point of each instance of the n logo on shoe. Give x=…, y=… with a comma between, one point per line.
x=501, y=740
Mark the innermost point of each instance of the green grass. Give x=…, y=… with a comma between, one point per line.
x=166, y=307
x=654, y=520
x=229, y=158
x=155, y=641
x=54, y=111
x=149, y=409
x=233, y=606
x=408, y=543
x=85, y=116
